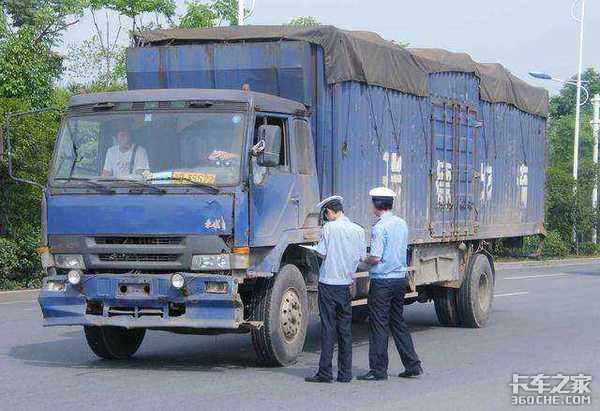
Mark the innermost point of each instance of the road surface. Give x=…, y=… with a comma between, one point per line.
x=544, y=320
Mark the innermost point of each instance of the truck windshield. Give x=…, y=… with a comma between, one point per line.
x=157, y=147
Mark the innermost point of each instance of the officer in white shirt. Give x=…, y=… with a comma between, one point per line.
x=387, y=286
x=125, y=157
x=342, y=245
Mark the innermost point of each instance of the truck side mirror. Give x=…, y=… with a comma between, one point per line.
x=271, y=138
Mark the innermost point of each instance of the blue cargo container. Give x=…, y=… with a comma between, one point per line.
x=366, y=135
x=159, y=213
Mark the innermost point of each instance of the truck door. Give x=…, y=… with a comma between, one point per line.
x=274, y=200
x=305, y=168
x=453, y=141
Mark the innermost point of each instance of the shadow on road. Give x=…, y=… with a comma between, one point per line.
x=166, y=351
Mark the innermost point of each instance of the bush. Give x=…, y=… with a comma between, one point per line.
x=19, y=264
x=589, y=249
x=555, y=246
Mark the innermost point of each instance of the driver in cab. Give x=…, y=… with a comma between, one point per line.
x=125, y=157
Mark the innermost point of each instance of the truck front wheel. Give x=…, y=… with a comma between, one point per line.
x=281, y=304
x=476, y=293
x=114, y=343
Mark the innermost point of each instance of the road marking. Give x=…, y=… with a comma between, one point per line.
x=524, y=277
x=511, y=294
x=17, y=302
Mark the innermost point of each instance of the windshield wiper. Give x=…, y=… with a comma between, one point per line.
x=88, y=183
x=212, y=188
x=136, y=183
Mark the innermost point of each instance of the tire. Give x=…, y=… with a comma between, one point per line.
x=360, y=314
x=446, y=308
x=476, y=293
x=114, y=343
x=281, y=303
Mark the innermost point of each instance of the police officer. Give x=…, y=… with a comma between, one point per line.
x=387, y=272
x=342, y=245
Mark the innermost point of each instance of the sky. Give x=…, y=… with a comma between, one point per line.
x=523, y=35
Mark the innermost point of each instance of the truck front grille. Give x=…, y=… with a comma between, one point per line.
x=135, y=257
x=138, y=240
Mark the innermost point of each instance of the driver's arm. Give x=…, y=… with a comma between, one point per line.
x=141, y=161
x=108, y=164
x=223, y=155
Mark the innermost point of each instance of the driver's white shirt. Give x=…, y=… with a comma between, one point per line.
x=118, y=163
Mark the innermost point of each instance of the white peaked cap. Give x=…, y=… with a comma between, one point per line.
x=319, y=206
x=382, y=192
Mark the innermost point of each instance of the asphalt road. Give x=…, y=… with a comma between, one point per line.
x=544, y=320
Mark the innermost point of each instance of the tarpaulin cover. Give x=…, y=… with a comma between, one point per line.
x=366, y=57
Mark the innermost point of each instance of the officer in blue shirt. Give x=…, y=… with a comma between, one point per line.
x=387, y=272
x=342, y=245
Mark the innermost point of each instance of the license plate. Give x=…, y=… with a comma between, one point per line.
x=131, y=289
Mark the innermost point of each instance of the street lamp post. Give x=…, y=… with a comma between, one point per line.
x=579, y=86
x=242, y=12
x=595, y=130
x=578, y=106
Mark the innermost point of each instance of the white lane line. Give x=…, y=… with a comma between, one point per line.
x=523, y=277
x=17, y=302
x=511, y=294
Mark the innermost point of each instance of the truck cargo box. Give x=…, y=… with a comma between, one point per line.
x=462, y=143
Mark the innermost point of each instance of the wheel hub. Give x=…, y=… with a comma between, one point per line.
x=485, y=291
x=290, y=315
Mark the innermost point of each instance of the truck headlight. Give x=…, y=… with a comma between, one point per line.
x=69, y=261
x=210, y=262
x=74, y=277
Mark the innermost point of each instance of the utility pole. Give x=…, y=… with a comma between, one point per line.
x=580, y=20
x=595, y=129
x=241, y=12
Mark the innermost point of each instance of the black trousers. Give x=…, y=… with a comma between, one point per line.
x=386, y=303
x=335, y=309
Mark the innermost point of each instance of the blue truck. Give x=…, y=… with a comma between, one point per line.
x=232, y=135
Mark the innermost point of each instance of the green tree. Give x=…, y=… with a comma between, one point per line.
x=92, y=66
x=47, y=18
x=304, y=21
x=564, y=103
x=569, y=202
x=136, y=9
x=198, y=15
x=29, y=68
x=201, y=14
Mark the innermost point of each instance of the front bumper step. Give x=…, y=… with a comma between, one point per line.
x=101, y=300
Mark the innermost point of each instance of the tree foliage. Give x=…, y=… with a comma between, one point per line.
x=198, y=15
x=202, y=14
x=47, y=18
x=304, y=21
x=136, y=9
x=91, y=66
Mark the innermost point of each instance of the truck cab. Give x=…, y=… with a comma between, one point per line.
x=173, y=210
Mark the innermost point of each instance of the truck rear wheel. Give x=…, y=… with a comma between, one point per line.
x=360, y=314
x=476, y=293
x=281, y=303
x=446, y=308
x=114, y=343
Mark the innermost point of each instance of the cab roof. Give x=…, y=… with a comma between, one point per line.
x=260, y=101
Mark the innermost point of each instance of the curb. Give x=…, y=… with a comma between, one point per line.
x=511, y=265
x=19, y=295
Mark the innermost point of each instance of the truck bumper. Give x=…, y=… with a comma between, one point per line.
x=142, y=301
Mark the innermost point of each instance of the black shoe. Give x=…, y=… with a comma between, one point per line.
x=371, y=376
x=343, y=379
x=318, y=378
x=411, y=373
